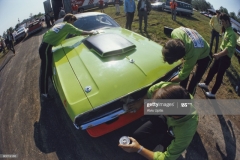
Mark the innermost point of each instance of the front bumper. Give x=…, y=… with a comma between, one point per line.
x=98, y=122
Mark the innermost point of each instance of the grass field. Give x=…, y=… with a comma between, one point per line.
x=156, y=22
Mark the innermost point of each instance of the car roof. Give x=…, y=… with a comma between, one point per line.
x=80, y=15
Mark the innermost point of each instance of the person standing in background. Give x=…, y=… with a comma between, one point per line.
x=173, y=6
x=116, y=2
x=51, y=17
x=10, y=40
x=144, y=7
x=223, y=58
x=129, y=9
x=101, y=5
x=74, y=8
x=216, y=29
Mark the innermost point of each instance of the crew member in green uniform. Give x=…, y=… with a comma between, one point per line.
x=181, y=127
x=189, y=45
x=54, y=37
x=223, y=58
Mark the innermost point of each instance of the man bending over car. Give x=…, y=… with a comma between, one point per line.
x=189, y=45
x=54, y=37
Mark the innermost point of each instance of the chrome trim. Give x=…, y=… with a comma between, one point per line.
x=76, y=126
x=102, y=120
x=88, y=89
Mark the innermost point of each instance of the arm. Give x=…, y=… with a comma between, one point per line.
x=125, y=6
x=188, y=66
x=149, y=6
x=76, y=31
x=229, y=47
x=211, y=23
x=175, y=79
x=220, y=54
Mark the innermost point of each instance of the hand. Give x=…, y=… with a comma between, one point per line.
x=93, y=32
x=134, y=106
x=216, y=56
x=133, y=147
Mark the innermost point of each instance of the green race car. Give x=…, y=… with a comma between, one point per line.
x=96, y=76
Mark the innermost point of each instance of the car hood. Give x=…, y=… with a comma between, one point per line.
x=104, y=79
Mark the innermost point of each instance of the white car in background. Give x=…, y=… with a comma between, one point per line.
x=21, y=33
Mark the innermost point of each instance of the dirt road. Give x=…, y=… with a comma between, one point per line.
x=35, y=130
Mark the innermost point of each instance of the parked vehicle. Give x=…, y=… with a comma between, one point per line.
x=88, y=4
x=182, y=8
x=20, y=33
x=157, y=5
x=35, y=26
x=111, y=2
x=96, y=76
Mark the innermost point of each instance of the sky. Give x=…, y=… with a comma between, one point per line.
x=11, y=10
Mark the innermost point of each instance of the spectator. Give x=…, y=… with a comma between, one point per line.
x=117, y=3
x=47, y=20
x=216, y=29
x=2, y=43
x=222, y=59
x=74, y=8
x=173, y=6
x=144, y=7
x=54, y=37
x=62, y=13
x=51, y=17
x=101, y=5
x=10, y=41
x=129, y=9
x=177, y=131
x=189, y=45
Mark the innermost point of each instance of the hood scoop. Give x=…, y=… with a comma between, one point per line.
x=108, y=44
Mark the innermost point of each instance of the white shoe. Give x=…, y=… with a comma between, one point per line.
x=210, y=95
x=203, y=85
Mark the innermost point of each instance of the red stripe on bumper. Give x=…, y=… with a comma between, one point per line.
x=120, y=122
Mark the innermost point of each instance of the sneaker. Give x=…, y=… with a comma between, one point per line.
x=210, y=95
x=202, y=85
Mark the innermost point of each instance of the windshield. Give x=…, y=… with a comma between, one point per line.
x=95, y=22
